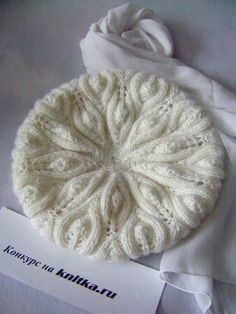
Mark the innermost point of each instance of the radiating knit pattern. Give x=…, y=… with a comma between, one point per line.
x=117, y=165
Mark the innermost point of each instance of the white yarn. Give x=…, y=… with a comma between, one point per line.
x=117, y=165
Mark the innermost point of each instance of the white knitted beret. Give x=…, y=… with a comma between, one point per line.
x=117, y=165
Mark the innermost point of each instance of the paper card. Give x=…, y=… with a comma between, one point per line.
x=99, y=287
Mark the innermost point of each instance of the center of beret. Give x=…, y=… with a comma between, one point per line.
x=114, y=159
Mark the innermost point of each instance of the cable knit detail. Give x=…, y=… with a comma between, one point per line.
x=117, y=165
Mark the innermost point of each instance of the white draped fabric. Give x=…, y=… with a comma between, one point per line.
x=133, y=38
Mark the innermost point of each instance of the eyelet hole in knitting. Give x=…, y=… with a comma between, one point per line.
x=69, y=235
x=200, y=183
x=111, y=229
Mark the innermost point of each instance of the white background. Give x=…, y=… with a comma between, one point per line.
x=39, y=50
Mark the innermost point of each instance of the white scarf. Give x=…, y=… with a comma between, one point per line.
x=133, y=38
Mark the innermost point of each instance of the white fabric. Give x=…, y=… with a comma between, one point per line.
x=133, y=38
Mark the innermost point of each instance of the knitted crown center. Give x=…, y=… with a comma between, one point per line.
x=114, y=160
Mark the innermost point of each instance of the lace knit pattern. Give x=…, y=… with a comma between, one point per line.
x=117, y=165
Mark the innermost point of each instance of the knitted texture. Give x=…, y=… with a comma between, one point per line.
x=117, y=165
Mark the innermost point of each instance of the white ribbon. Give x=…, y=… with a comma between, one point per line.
x=133, y=38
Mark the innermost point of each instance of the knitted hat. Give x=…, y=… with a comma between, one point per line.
x=117, y=165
